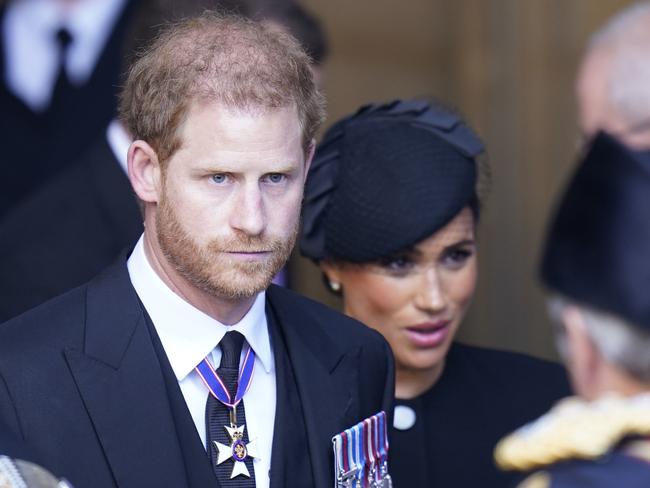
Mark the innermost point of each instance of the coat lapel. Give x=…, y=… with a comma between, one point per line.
x=121, y=384
x=325, y=376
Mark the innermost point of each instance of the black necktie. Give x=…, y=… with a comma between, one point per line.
x=62, y=82
x=217, y=415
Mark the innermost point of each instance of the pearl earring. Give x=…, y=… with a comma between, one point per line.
x=335, y=286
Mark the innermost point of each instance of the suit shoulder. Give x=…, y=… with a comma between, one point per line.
x=339, y=326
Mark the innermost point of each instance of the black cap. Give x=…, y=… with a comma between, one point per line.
x=597, y=250
x=386, y=178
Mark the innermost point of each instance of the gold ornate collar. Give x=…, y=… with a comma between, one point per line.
x=575, y=429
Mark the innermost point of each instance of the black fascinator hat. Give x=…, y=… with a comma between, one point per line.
x=386, y=178
x=597, y=250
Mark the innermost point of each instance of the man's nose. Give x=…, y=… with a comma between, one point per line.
x=248, y=213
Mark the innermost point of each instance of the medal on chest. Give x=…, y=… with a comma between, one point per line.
x=237, y=449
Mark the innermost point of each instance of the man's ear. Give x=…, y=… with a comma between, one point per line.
x=309, y=157
x=144, y=171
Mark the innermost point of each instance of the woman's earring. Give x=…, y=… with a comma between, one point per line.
x=335, y=286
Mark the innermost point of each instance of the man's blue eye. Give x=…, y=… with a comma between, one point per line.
x=219, y=178
x=276, y=177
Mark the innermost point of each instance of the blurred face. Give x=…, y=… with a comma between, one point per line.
x=228, y=213
x=595, y=109
x=592, y=89
x=417, y=298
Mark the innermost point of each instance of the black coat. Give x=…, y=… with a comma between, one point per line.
x=80, y=382
x=481, y=396
x=12, y=447
x=67, y=232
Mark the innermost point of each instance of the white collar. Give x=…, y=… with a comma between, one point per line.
x=119, y=142
x=187, y=334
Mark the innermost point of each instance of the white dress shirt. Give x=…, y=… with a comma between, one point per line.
x=188, y=336
x=32, y=52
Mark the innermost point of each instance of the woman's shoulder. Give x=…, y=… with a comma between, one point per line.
x=497, y=359
x=513, y=374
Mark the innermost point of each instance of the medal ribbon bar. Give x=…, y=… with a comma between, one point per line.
x=361, y=455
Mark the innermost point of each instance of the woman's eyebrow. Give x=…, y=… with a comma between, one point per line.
x=464, y=242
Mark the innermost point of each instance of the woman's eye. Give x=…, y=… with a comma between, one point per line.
x=397, y=264
x=220, y=178
x=457, y=256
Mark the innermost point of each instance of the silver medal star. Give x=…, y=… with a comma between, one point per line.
x=238, y=451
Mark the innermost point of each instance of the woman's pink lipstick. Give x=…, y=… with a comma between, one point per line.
x=428, y=334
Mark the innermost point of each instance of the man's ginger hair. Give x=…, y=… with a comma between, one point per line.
x=233, y=61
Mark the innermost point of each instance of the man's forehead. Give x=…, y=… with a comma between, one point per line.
x=238, y=121
x=243, y=110
x=214, y=133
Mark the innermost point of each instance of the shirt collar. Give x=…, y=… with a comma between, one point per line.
x=187, y=334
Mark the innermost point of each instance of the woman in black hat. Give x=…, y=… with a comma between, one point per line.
x=391, y=207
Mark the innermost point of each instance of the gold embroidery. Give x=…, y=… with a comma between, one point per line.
x=575, y=429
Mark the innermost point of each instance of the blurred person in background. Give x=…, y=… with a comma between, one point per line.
x=59, y=74
x=390, y=213
x=613, y=84
x=596, y=269
x=305, y=27
x=77, y=224
x=65, y=232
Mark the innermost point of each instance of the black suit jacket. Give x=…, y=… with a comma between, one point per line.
x=81, y=383
x=67, y=232
x=12, y=447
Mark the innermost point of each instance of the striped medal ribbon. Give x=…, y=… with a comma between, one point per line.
x=215, y=385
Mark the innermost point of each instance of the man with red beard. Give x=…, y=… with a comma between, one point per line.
x=179, y=365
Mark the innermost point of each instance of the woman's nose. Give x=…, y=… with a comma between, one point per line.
x=430, y=296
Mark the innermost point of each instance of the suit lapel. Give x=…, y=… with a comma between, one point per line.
x=325, y=376
x=121, y=385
